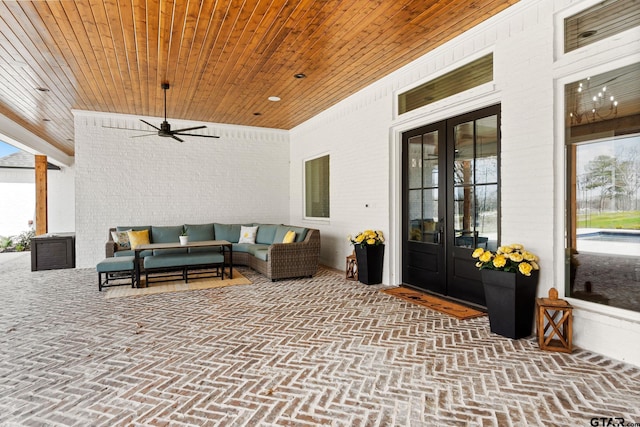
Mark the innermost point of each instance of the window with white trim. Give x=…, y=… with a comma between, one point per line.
x=316, y=188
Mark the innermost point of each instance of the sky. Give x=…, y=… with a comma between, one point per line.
x=6, y=149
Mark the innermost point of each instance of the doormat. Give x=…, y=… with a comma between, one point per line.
x=458, y=311
x=177, y=286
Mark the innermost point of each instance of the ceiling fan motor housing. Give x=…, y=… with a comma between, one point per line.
x=165, y=127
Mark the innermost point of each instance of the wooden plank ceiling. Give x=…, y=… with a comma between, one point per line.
x=223, y=58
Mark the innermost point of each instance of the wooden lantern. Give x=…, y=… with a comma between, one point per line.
x=555, y=323
x=352, y=267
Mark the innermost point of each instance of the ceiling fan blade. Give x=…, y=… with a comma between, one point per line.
x=193, y=128
x=194, y=134
x=176, y=138
x=147, y=123
x=137, y=130
x=140, y=136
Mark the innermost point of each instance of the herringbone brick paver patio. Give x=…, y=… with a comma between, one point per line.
x=309, y=352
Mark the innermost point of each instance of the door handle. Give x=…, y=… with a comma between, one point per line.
x=441, y=231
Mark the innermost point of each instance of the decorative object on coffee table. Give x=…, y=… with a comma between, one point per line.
x=184, y=238
x=510, y=280
x=369, y=250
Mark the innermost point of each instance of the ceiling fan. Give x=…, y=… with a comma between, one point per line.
x=165, y=128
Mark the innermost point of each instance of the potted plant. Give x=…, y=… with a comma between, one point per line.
x=369, y=248
x=510, y=280
x=184, y=238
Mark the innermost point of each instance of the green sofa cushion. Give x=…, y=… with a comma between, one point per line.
x=228, y=232
x=241, y=247
x=169, y=234
x=301, y=233
x=209, y=249
x=121, y=263
x=136, y=228
x=250, y=248
x=131, y=253
x=262, y=254
x=199, y=232
x=253, y=249
x=266, y=233
x=176, y=260
x=170, y=251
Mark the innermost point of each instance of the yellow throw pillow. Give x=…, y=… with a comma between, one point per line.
x=137, y=238
x=290, y=237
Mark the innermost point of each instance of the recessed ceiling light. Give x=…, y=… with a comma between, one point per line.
x=274, y=98
x=300, y=75
x=42, y=89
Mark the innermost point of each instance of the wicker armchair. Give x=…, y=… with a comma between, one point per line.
x=288, y=260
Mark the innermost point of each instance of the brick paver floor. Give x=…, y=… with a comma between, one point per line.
x=321, y=351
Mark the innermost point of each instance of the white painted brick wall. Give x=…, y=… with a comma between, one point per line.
x=523, y=67
x=361, y=135
x=241, y=177
x=359, y=170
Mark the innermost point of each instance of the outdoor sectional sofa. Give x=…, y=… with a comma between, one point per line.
x=268, y=255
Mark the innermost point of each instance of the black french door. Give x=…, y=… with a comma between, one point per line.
x=450, y=204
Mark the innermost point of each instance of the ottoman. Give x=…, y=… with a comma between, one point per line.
x=116, y=268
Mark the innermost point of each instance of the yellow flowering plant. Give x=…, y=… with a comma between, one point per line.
x=367, y=237
x=511, y=258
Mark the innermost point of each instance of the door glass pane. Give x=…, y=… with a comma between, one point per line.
x=415, y=215
x=486, y=227
x=463, y=216
x=423, y=187
x=486, y=170
x=475, y=166
x=430, y=215
x=430, y=159
x=463, y=163
x=415, y=162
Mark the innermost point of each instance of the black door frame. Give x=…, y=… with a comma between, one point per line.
x=424, y=262
x=461, y=279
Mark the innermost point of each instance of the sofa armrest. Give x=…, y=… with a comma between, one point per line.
x=110, y=245
x=295, y=259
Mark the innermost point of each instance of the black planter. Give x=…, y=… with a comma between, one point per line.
x=370, y=259
x=511, y=300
